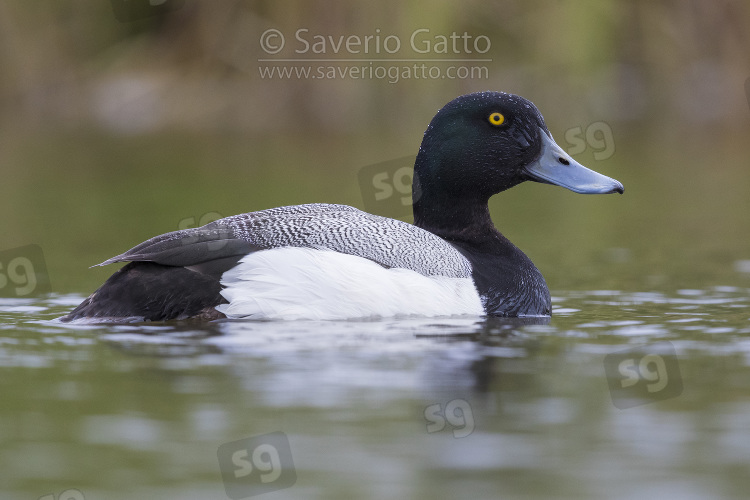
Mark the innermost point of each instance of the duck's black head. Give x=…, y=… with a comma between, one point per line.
x=480, y=144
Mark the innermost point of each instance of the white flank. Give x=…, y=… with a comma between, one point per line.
x=304, y=283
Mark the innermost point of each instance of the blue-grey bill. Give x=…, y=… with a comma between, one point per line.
x=555, y=166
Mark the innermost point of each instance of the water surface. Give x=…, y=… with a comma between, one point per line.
x=140, y=410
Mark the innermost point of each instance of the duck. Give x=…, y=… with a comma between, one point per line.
x=324, y=261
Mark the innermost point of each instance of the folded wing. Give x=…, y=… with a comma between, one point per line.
x=388, y=242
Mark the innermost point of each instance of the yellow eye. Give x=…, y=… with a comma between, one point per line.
x=496, y=119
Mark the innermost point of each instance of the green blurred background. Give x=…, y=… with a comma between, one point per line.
x=112, y=132
x=115, y=130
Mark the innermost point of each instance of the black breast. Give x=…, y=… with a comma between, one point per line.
x=507, y=281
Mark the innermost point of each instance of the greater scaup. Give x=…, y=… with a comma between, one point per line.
x=322, y=261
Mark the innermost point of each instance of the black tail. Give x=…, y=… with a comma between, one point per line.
x=153, y=292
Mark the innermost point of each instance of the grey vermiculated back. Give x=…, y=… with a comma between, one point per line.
x=345, y=229
x=341, y=228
